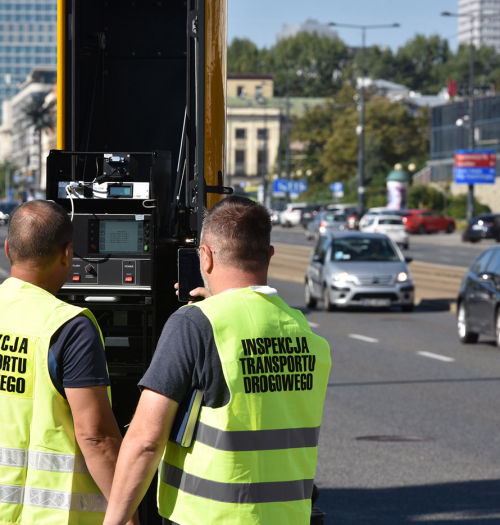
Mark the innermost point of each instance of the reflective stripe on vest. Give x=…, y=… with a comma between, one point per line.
x=16, y=457
x=263, y=492
x=52, y=499
x=240, y=440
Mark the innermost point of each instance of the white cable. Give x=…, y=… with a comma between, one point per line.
x=69, y=193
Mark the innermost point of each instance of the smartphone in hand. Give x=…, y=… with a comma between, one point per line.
x=189, y=275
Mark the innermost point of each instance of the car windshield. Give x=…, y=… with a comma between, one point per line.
x=363, y=249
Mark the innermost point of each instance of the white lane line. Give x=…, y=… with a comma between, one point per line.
x=3, y=274
x=439, y=357
x=364, y=338
x=313, y=325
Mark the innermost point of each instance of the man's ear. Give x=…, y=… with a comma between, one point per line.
x=67, y=254
x=6, y=248
x=271, y=252
x=206, y=259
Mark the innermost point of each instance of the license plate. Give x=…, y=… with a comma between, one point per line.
x=376, y=302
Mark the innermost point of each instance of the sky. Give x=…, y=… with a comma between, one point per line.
x=262, y=20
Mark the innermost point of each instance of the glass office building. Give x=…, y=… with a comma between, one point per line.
x=450, y=131
x=28, y=31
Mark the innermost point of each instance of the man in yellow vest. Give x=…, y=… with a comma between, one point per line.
x=59, y=439
x=263, y=375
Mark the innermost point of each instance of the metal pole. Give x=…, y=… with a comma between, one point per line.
x=287, y=137
x=361, y=134
x=470, y=193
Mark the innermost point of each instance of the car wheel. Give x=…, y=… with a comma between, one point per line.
x=451, y=228
x=407, y=307
x=421, y=229
x=464, y=334
x=308, y=298
x=327, y=305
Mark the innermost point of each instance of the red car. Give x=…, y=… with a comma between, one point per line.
x=427, y=221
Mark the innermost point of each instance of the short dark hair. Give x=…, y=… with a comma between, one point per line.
x=38, y=230
x=241, y=232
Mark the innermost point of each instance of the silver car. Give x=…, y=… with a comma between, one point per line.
x=325, y=222
x=358, y=269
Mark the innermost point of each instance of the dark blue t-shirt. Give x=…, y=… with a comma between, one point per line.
x=76, y=356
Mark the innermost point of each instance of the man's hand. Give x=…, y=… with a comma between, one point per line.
x=197, y=292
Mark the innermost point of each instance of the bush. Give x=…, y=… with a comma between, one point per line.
x=457, y=207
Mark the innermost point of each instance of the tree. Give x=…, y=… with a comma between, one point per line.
x=6, y=171
x=392, y=135
x=243, y=56
x=421, y=63
x=40, y=116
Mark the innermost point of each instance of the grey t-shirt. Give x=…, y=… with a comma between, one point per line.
x=186, y=358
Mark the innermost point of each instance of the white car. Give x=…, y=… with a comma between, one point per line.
x=390, y=225
x=291, y=215
x=3, y=217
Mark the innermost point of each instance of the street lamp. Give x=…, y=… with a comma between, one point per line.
x=472, y=17
x=361, y=127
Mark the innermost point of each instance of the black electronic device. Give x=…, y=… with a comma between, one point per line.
x=189, y=274
x=112, y=251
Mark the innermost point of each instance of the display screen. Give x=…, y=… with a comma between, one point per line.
x=121, y=236
x=120, y=191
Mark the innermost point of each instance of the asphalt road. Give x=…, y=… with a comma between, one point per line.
x=410, y=429
x=437, y=248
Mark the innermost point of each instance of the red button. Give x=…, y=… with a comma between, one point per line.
x=76, y=278
x=129, y=279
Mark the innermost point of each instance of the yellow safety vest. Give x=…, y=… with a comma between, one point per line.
x=253, y=461
x=43, y=476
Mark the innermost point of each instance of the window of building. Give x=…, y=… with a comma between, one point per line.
x=240, y=91
x=262, y=133
x=241, y=133
x=262, y=160
x=239, y=161
x=258, y=92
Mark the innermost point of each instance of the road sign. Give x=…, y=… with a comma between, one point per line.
x=337, y=189
x=475, y=167
x=289, y=186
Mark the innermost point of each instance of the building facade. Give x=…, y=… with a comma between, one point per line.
x=450, y=131
x=28, y=32
x=22, y=145
x=479, y=21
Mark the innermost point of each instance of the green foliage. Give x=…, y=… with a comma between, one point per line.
x=423, y=196
x=313, y=65
x=6, y=170
x=243, y=56
x=40, y=114
x=457, y=207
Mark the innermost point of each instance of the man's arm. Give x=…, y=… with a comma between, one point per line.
x=96, y=431
x=140, y=454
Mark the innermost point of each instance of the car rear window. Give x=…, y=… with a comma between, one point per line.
x=391, y=221
x=363, y=249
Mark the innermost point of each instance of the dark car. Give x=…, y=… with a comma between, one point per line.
x=478, y=303
x=6, y=209
x=485, y=226
x=308, y=213
x=427, y=221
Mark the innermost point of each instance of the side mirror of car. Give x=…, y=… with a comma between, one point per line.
x=317, y=258
x=408, y=259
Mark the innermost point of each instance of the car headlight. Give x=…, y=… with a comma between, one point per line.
x=344, y=277
x=402, y=277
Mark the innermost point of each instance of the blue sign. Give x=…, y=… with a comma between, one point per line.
x=475, y=175
x=337, y=188
x=475, y=166
x=289, y=186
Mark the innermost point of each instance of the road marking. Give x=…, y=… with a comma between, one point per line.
x=313, y=325
x=3, y=274
x=439, y=357
x=364, y=338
